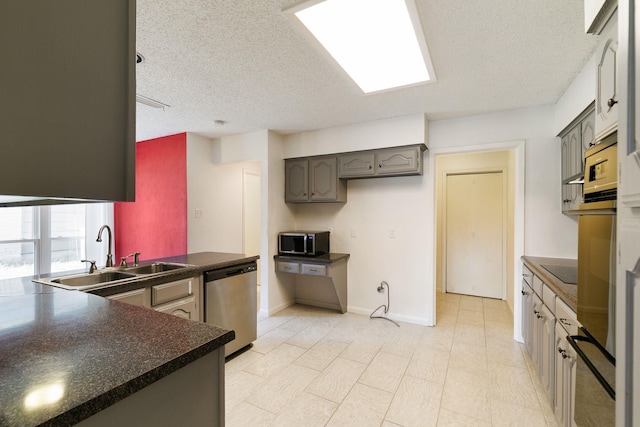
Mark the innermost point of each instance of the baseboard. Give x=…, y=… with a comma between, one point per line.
x=280, y=307
x=321, y=304
x=399, y=318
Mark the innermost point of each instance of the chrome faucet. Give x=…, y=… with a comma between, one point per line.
x=99, y=239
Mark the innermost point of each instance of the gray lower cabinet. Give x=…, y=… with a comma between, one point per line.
x=314, y=179
x=565, y=365
x=180, y=298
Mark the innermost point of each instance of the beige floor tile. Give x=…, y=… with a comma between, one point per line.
x=470, y=317
x=438, y=338
x=470, y=303
x=239, y=362
x=385, y=371
x=321, y=354
x=361, y=350
x=509, y=414
x=271, y=340
x=498, y=315
x=364, y=406
x=444, y=320
x=429, y=364
x=270, y=323
x=308, y=336
x=307, y=410
x=469, y=358
x=281, y=390
x=495, y=304
x=275, y=361
x=467, y=393
x=239, y=386
x=447, y=418
x=416, y=403
x=335, y=382
x=498, y=330
x=402, y=345
x=469, y=334
x=505, y=353
x=248, y=415
x=512, y=385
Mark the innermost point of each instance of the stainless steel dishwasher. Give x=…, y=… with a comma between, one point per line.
x=231, y=302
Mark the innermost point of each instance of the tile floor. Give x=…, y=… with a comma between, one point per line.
x=316, y=367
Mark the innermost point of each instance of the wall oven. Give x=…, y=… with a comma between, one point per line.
x=595, y=342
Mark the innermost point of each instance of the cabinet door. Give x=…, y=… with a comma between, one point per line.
x=296, y=180
x=560, y=391
x=68, y=99
x=139, y=297
x=356, y=165
x=536, y=332
x=323, y=181
x=398, y=161
x=607, y=95
x=547, y=351
x=186, y=308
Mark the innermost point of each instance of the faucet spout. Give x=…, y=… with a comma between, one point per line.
x=99, y=239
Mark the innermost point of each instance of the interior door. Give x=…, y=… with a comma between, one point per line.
x=475, y=234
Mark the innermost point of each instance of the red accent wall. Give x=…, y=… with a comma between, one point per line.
x=156, y=223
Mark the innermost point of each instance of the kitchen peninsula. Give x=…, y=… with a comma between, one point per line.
x=71, y=357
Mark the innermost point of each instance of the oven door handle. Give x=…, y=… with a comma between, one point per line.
x=571, y=339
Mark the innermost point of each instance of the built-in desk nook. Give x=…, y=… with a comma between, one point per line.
x=320, y=281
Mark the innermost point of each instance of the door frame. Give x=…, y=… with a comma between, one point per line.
x=517, y=147
x=473, y=171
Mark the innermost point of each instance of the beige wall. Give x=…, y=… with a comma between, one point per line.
x=475, y=162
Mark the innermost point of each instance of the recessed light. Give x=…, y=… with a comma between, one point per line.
x=379, y=43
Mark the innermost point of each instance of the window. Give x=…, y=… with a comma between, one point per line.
x=50, y=239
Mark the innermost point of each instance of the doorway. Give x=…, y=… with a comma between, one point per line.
x=474, y=236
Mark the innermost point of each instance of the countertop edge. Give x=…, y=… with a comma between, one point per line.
x=566, y=292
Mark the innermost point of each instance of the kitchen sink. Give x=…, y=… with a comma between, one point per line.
x=157, y=267
x=90, y=280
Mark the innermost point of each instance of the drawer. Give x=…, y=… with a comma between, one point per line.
x=314, y=269
x=171, y=291
x=527, y=275
x=549, y=298
x=288, y=267
x=566, y=317
x=537, y=285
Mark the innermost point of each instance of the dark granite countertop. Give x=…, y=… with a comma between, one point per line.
x=568, y=293
x=320, y=259
x=94, y=351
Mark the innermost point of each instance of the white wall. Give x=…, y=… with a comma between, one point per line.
x=577, y=97
x=406, y=204
x=216, y=191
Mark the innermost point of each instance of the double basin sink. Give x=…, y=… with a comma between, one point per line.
x=85, y=281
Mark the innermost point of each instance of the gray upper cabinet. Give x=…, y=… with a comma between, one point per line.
x=67, y=100
x=607, y=90
x=399, y=161
x=296, y=174
x=356, y=165
x=575, y=139
x=396, y=161
x=314, y=179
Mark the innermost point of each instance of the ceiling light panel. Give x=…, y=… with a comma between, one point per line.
x=379, y=43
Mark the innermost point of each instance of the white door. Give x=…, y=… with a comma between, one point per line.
x=252, y=214
x=475, y=234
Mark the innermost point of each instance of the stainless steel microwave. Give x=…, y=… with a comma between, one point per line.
x=305, y=243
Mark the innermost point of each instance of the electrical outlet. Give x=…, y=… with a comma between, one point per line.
x=354, y=233
x=392, y=233
x=199, y=213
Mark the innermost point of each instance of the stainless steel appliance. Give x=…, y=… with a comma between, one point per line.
x=305, y=243
x=595, y=342
x=230, y=295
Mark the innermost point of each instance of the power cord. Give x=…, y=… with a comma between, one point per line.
x=386, y=307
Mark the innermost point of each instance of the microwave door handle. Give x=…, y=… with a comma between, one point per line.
x=305, y=244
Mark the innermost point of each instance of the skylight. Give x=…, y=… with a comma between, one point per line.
x=379, y=43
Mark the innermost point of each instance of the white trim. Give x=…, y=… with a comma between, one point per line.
x=519, y=150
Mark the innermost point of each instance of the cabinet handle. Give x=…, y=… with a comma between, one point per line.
x=611, y=102
x=523, y=292
x=564, y=321
x=370, y=166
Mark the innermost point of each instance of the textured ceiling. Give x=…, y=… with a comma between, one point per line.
x=244, y=62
